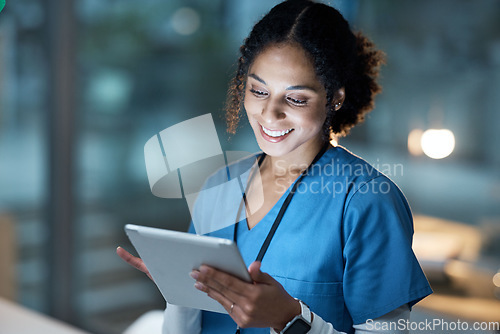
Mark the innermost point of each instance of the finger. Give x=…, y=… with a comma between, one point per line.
x=257, y=275
x=231, y=287
x=243, y=314
x=130, y=259
x=133, y=261
x=220, y=298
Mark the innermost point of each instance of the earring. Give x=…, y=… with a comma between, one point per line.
x=338, y=105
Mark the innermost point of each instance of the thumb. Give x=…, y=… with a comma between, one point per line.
x=257, y=275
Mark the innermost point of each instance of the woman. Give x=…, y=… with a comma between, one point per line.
x=340, y=258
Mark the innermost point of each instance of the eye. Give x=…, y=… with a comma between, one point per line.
x=297, y=102
x=258, y=93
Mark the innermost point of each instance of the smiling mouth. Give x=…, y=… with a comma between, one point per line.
x=275, y=133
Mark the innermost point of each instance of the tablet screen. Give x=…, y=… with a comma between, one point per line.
x=170, y=256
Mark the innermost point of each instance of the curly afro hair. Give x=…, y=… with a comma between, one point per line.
x=340, y=57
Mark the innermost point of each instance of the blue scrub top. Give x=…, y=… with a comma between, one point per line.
x=343, y=246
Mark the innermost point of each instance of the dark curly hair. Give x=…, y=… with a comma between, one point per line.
x=340, y=57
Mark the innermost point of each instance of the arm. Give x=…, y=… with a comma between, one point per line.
x=266, y=304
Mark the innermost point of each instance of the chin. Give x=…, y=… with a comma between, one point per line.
x=275, y=149
x=274, y=152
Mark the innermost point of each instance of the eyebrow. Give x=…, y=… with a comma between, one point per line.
x=256, y=77
x=297, y=87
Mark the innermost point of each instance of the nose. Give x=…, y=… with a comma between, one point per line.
x=272, y=111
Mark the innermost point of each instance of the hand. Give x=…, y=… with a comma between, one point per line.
x=263, y=303
x=134, y=261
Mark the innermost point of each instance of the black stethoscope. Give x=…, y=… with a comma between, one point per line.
x=284, y=206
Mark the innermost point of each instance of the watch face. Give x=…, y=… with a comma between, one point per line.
x=299, y=326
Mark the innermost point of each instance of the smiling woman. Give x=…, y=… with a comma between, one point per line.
x=327, y=252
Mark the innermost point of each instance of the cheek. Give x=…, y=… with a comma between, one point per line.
x=245, y=105
x=322, y=112
x=314, y=119
x=250, y=106
x=322, y=118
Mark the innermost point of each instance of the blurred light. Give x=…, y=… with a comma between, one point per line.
x=185, y=21
x=110, y=90
x=438, y=143
x=414, y=142
x=496, y=279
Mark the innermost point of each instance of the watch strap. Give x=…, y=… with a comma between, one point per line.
x=305, y=311
x=304, y=316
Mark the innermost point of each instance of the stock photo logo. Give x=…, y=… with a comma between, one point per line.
x=186, y=161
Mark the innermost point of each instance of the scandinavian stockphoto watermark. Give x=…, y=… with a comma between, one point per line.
x=431, y=325
x=340, y=186
x=338, y=177
x=338, y=168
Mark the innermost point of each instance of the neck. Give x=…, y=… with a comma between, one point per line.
x=294, y=163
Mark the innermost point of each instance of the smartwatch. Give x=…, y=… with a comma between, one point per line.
x=301, y=324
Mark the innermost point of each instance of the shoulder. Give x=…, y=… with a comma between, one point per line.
x=345, y=168
x=370, y=195
x=339, y=162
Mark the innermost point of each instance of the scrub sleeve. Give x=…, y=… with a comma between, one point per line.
x=381, y=271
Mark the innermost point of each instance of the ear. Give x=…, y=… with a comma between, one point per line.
x=338, y=98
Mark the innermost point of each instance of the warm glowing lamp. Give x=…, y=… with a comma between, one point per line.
x=414, y=139
x=496, y=279
x=437, y=143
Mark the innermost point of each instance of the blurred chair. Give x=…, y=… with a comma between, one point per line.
x=437, y=238
x=8, y=286
x=452, y=257
x=454, y=254
x=438, y=242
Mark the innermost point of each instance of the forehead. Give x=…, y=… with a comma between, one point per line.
x=286, y=63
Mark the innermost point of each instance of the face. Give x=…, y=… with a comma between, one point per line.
x=285, y=102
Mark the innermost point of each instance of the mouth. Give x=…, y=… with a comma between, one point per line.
x=274, y=135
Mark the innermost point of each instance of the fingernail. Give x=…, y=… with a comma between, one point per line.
x=198, y=286
x=194, y=275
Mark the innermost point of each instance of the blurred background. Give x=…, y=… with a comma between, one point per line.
x=85, y=83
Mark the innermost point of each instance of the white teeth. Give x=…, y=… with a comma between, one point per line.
x=275, y=133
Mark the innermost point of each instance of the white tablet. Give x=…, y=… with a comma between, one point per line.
x=170, y=256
